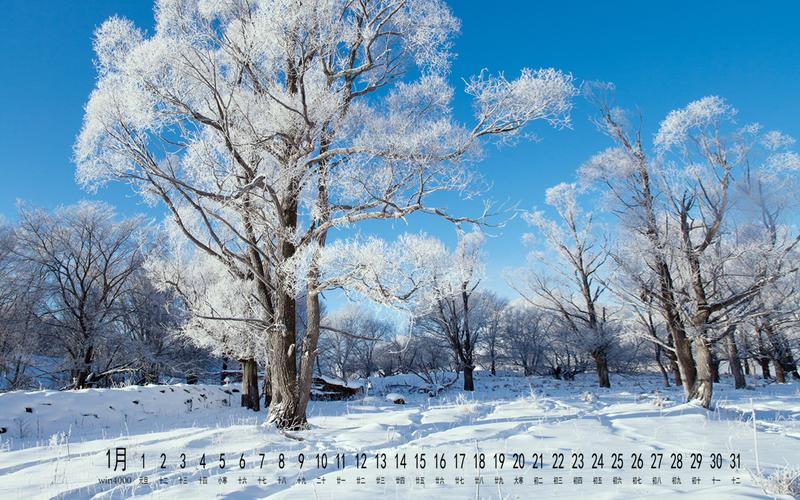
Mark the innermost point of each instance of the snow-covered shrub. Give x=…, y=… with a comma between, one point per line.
x=784, y=481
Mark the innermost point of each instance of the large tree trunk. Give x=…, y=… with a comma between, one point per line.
x=467, y=348
x=667, y=302
x=685, y=361
x=683, y=346
x=82, y=374
x=285, y=410
x=673, y=362
x=666, y=287
x=80, y=378
x=704, y=384
x=250, y=397
x=309, y=352
x=469, y=383
x=780, y=375
x=733, y=360
x=601, y=362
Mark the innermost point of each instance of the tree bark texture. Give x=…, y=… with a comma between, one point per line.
x=734, y=362
x=704, y=384
x=601, y=362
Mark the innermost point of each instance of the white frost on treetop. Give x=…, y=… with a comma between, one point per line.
x=775, y=140
x=611, y=163
x=506, y=105
x=701, y=113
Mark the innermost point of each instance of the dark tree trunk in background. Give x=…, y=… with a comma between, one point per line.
x=764, y=362
x=469, y=384
x=778, y=353
x=250, y=398
x=224, y=372
x=789, y=363
x=782, y=358
x=715, y=368
x=80, y=379
x=733, y=360
x=601, y=361
x=747, y=367
x=793, y=370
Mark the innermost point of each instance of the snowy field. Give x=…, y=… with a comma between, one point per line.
x=55, y=444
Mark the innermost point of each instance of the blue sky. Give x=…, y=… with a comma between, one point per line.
x=660, y=55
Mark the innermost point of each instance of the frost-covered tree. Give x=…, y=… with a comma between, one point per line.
x=277, y=121
x=768, y=201
x=394, y=356
x=18, y=325
x=84, y=259
x=349, y=339
x=431, y=359
x=489, y=320
x=525, y=336
x=675, y=201
x=566, y=280
x=451, y=306
x=151, y=329
x=220, y=309
x=626, y=171
x=633, y=285
x=417, y=274
x=701, y=152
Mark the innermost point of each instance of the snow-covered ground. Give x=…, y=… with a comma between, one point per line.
x=60, y=443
